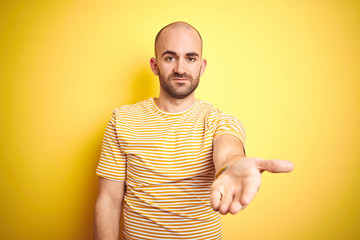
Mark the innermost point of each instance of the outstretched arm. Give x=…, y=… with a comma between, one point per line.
x=235, y=188
x=108, y=209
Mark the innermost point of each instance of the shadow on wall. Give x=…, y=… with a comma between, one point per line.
x=142, y=86
x=85, y=214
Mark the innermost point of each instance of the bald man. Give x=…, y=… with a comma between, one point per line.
x=173, y=164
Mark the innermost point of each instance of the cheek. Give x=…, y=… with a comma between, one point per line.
x=165, y=69
x=195, y=70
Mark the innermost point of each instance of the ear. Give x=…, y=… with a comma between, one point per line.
x=203, y=66
x=154, y=66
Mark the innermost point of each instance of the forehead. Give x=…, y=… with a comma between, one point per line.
x=180, y=40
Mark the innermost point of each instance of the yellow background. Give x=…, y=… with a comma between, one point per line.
x=289, y=70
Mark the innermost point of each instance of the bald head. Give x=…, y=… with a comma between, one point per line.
x=177, y=28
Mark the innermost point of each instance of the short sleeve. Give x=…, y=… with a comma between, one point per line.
x=222, y=123
x=112, y=163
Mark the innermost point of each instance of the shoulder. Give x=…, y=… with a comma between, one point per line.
x=211, y=110
x=215, y=115
x=132, y=109
x=206, y=106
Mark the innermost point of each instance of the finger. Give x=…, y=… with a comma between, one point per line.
x=215, y=199
x=236, y=206
x=226, y=200
x=274, y=165
x=249, y=190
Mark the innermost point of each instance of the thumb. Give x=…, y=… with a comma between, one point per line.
x=274, y=165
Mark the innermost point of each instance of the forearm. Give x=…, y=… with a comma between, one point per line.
x=107, y=220
x=227, y=150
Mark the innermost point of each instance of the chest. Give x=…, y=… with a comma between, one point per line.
x=163, y=135
x=162, y=150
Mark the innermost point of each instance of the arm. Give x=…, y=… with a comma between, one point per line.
x=108, y=209
x=236, y=187
x=226, y=150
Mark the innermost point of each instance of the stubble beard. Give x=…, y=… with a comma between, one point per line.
x=179, y=90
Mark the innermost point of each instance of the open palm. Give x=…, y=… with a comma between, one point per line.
x=237, y=186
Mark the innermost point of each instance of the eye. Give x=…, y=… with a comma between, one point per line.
x=191, y=59
x=169, y=59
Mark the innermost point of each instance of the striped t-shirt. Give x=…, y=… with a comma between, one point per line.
x=166, y=160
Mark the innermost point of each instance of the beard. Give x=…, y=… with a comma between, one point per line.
x=179, y=90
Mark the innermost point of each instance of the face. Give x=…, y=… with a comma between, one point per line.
x=178, y=62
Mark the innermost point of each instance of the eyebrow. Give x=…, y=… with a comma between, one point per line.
x=174, y=53
x=168, y=52
x=192, y=54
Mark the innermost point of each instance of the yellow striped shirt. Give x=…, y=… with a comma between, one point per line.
x=166, y=160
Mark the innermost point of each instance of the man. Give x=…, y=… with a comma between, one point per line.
x=161, y=155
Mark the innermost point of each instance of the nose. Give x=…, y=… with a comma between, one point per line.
x=180, y=67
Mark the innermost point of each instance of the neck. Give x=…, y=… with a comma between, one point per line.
x=174, y=105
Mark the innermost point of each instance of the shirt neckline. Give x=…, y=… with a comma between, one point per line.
x=171, y=113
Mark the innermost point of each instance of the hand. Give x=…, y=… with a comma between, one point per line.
x=236, y=187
